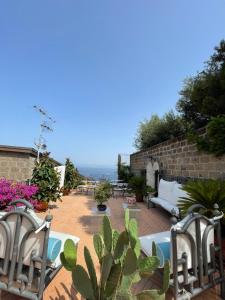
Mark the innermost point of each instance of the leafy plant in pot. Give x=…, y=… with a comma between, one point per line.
x=102, y=194
x=46, y=178
x=138, y=186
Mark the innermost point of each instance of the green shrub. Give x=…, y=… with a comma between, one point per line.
x=206, y=193
x=121, y=265
x=47, y=179
x=214, y=140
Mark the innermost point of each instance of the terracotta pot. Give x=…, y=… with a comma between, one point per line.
x=66, y=192
x=42, y=206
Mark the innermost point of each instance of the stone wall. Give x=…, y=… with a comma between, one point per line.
x=16, y=166
x=178, y=158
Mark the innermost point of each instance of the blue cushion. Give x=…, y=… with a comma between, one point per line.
x=54, y=246
x=163, y=252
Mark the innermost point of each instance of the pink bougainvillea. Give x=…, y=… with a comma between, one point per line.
x=11, y=190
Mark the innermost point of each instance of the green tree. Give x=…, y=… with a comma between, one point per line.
x=203, y=95
x=47, y=179
x=157, y=130
x=72, y=176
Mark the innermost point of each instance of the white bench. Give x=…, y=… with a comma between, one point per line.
x=169, y=192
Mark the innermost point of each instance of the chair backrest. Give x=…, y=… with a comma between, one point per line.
x=193, y=251
x=22, y=243
x=189, y=235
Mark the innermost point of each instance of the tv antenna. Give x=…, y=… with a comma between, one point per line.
x=46, y=123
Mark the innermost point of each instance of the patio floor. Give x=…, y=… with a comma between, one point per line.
x=74, y=216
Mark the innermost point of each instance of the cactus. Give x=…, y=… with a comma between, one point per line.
x=121, y=265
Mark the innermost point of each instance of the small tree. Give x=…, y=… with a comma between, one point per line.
x=47, y=179
x=72, y=176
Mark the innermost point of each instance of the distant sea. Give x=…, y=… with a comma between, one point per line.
x=98, y=173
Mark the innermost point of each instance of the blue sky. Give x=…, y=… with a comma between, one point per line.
x=99, y=67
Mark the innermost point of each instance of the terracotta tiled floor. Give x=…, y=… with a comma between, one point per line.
x=73, y=216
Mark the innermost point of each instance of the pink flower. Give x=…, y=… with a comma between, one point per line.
x=11, y=190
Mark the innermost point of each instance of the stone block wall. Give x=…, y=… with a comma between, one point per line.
x=16, y=166
x=178, y=158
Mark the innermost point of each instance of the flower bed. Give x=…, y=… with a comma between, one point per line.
x=11, y=190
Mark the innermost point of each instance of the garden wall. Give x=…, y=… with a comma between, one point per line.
x=16, y=166
x=17, y=163
x=178, y=158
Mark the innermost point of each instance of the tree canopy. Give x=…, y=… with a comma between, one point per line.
x=203, y=95
x=157, y=130
x=202, y=101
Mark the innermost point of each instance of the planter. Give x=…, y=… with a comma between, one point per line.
x=101, y=207
x=139, y=198
x=66, y=192
x=42, y=206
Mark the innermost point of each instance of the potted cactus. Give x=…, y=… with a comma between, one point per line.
x=121, y=265
x=102, y=194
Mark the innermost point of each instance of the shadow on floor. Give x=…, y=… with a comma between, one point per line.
x=72, y=293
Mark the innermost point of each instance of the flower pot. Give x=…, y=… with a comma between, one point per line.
x=42, y=206
x=101, y=207
x=139, y=198
x=66, y=192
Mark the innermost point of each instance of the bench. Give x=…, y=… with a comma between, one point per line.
x=169, y=192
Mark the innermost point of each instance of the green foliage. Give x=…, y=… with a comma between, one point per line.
x=137, y=184
x=201, y=103
x=157, y=130
x=203, y=96
x=123, y=170
x=206, y=193
x=72, y=176
x=47, y=179
x=103, y=192
x=120, y=265
x=214, y=139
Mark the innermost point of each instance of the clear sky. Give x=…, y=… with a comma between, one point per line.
x=99, y=67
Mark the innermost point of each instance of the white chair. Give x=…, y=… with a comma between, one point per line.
x=29, y=252
x=191, y=248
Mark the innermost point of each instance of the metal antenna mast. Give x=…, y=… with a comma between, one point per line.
x=45, y=126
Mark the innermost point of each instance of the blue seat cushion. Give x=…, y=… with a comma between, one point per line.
x=54, y=246
x=163, y=252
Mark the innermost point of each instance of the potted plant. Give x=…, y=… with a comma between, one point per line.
x=46, y=178
x=138, y=186
x=102, y=194
x=72, y=177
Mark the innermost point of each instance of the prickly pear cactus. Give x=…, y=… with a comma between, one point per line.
x=121, y=265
